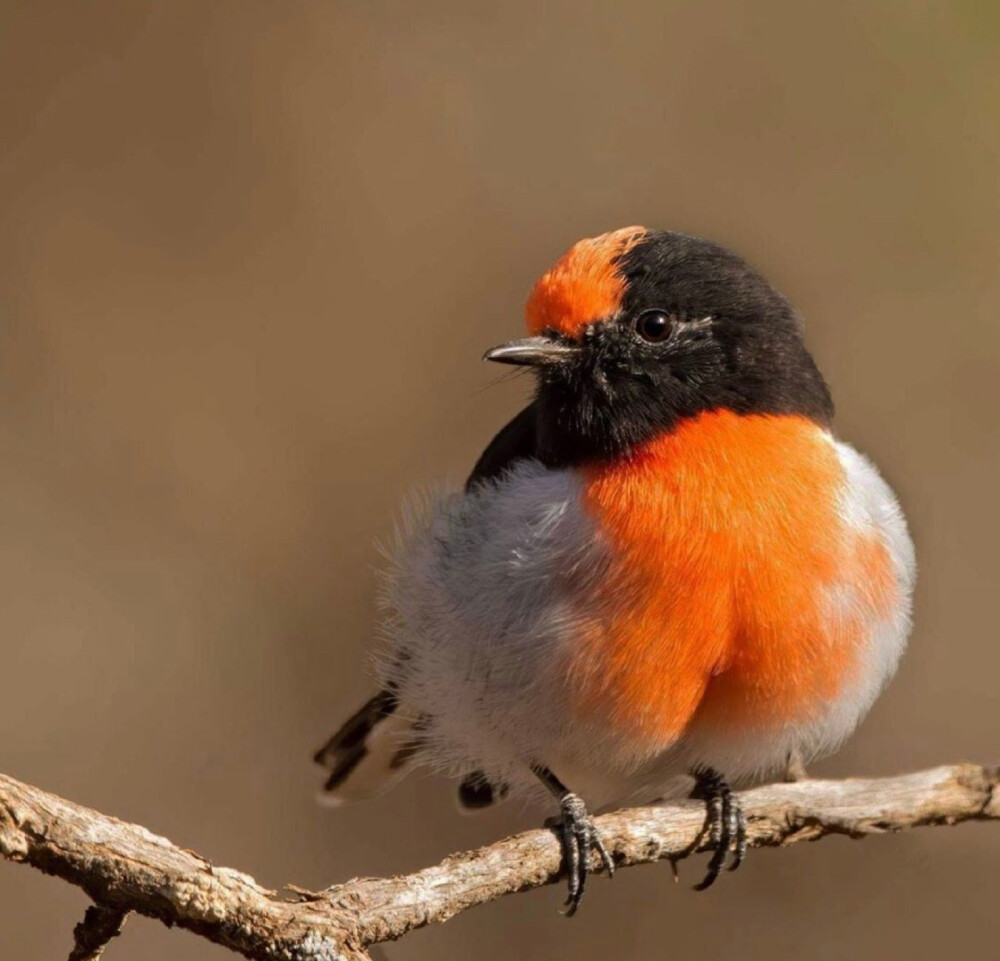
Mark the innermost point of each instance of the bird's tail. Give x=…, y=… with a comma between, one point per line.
x=372, y=751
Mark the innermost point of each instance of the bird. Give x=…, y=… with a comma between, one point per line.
x=665, y=575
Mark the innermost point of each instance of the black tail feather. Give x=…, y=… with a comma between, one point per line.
x=346, y=749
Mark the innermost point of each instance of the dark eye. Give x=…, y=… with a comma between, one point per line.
x=653, y=325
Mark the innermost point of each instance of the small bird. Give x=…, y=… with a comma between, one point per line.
x=665, y=567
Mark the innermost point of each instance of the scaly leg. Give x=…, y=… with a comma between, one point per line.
x=579, y=837
x=725, y=821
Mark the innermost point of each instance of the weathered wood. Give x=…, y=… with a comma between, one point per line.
x=124, y=867
x=99, y=926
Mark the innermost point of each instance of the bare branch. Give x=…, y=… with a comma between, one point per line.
x=124, y=867
x=778, y=815
x=99, y=926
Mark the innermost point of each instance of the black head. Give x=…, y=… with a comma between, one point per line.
x=638, y=329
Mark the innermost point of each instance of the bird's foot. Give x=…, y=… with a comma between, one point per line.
x=724, y=821
x=579, y=837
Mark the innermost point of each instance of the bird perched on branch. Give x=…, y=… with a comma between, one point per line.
x=666, y=566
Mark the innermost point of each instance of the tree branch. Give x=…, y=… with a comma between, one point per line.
x=99, y=926
x=124, y=867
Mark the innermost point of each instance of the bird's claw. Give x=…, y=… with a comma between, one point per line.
x=725, y=822
x=579, y=837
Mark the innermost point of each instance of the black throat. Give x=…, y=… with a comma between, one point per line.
x=737, y=345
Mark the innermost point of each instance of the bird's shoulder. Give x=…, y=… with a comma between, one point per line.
x=516, y=440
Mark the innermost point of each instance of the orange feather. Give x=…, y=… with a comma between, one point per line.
x=728, y=544
x=583, y=286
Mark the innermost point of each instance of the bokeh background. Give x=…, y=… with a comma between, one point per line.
x=250, y=254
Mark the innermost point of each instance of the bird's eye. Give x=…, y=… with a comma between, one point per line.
x=653, y=326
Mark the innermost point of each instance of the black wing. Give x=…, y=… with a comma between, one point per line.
x=516, y=441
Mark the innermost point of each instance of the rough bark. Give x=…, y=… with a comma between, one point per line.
x=125, y=867
x=100, y=925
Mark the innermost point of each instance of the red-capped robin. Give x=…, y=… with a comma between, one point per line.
x=665, y=565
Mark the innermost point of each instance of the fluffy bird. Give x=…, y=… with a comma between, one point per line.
x=666, y=566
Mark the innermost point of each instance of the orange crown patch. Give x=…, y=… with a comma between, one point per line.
x=583, y=286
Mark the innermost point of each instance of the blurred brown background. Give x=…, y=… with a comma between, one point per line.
x=250, y=254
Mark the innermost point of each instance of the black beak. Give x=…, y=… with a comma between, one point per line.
x=533, y=352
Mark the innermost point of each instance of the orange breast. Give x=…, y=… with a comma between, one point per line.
x=728, y=547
